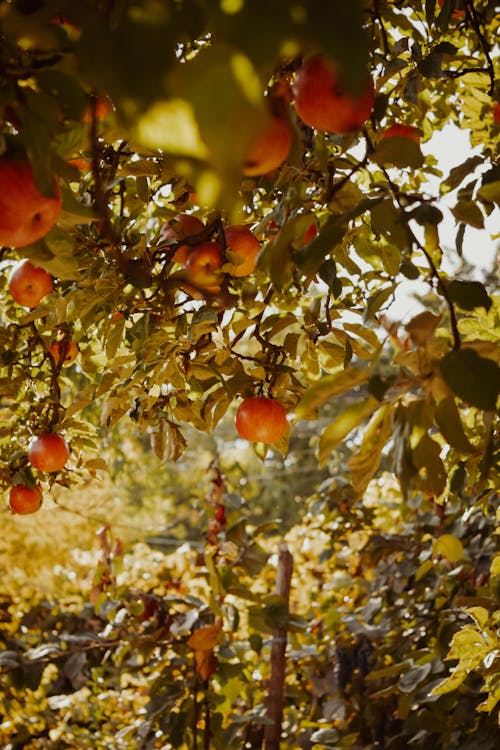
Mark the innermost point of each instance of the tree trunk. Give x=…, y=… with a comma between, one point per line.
x=275, y=699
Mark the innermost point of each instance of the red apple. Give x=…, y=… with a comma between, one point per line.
x=496, y=113
x=459, y=12
x=321, y=101
x=29, y=284
x=63, y=349
x=310, y=233
x=270, y=149
x=48, y=452
x=261, y=420
x=242, y=241
x=398, y=130
x=25, y=214
x=177, y=229
x=203, y=265
x=24, y=499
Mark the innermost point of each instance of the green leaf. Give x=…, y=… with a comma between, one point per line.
x=450, y=425
x=378, y=299
x=327, y=388
x=310, y=258
x=399, y=152
x=469, y=213
x=427, y=214
x=344, y=424
x=275, y=611
x=490, y=192
x=409, y=681
x=279, y=255
x=430, y=66
x=458, y=174
x=409, y=269
x=388, y=221
x=474, y=379
x=468, y=294
x=432, y=474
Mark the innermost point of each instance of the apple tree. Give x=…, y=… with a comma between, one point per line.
x=209, y=216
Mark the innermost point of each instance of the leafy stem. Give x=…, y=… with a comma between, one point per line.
x=441, y=286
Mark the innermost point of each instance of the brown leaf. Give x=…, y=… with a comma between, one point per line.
x=206, y=663
x=205, y=638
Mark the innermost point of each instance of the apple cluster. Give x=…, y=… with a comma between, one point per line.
x=203, y=259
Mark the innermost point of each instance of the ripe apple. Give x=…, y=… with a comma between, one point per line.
x=242, y=241
x=398, y=130
x=459, y=12
x=81, y=163
x=203, y=265
x=177, y=229
x=29, y=284
x=48, y=452
x=322, y=103
x=310, y=233
x=496, y=113
x=261, y=420
x=24, y=499
x=270, y=149
x=25, y=214
x=65, y=350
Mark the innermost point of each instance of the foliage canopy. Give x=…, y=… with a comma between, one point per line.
x=143, y=110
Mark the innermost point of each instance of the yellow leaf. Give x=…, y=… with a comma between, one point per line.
x=450, y=683
x=327, y=388
x=469, y=647
x=171, y=126
x=450, y=547
x=495, y=566
x=480, y=615
x=344, y=424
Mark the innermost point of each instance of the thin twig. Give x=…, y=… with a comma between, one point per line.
x=472, y=16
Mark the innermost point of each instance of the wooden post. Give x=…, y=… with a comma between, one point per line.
x=276, y=696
